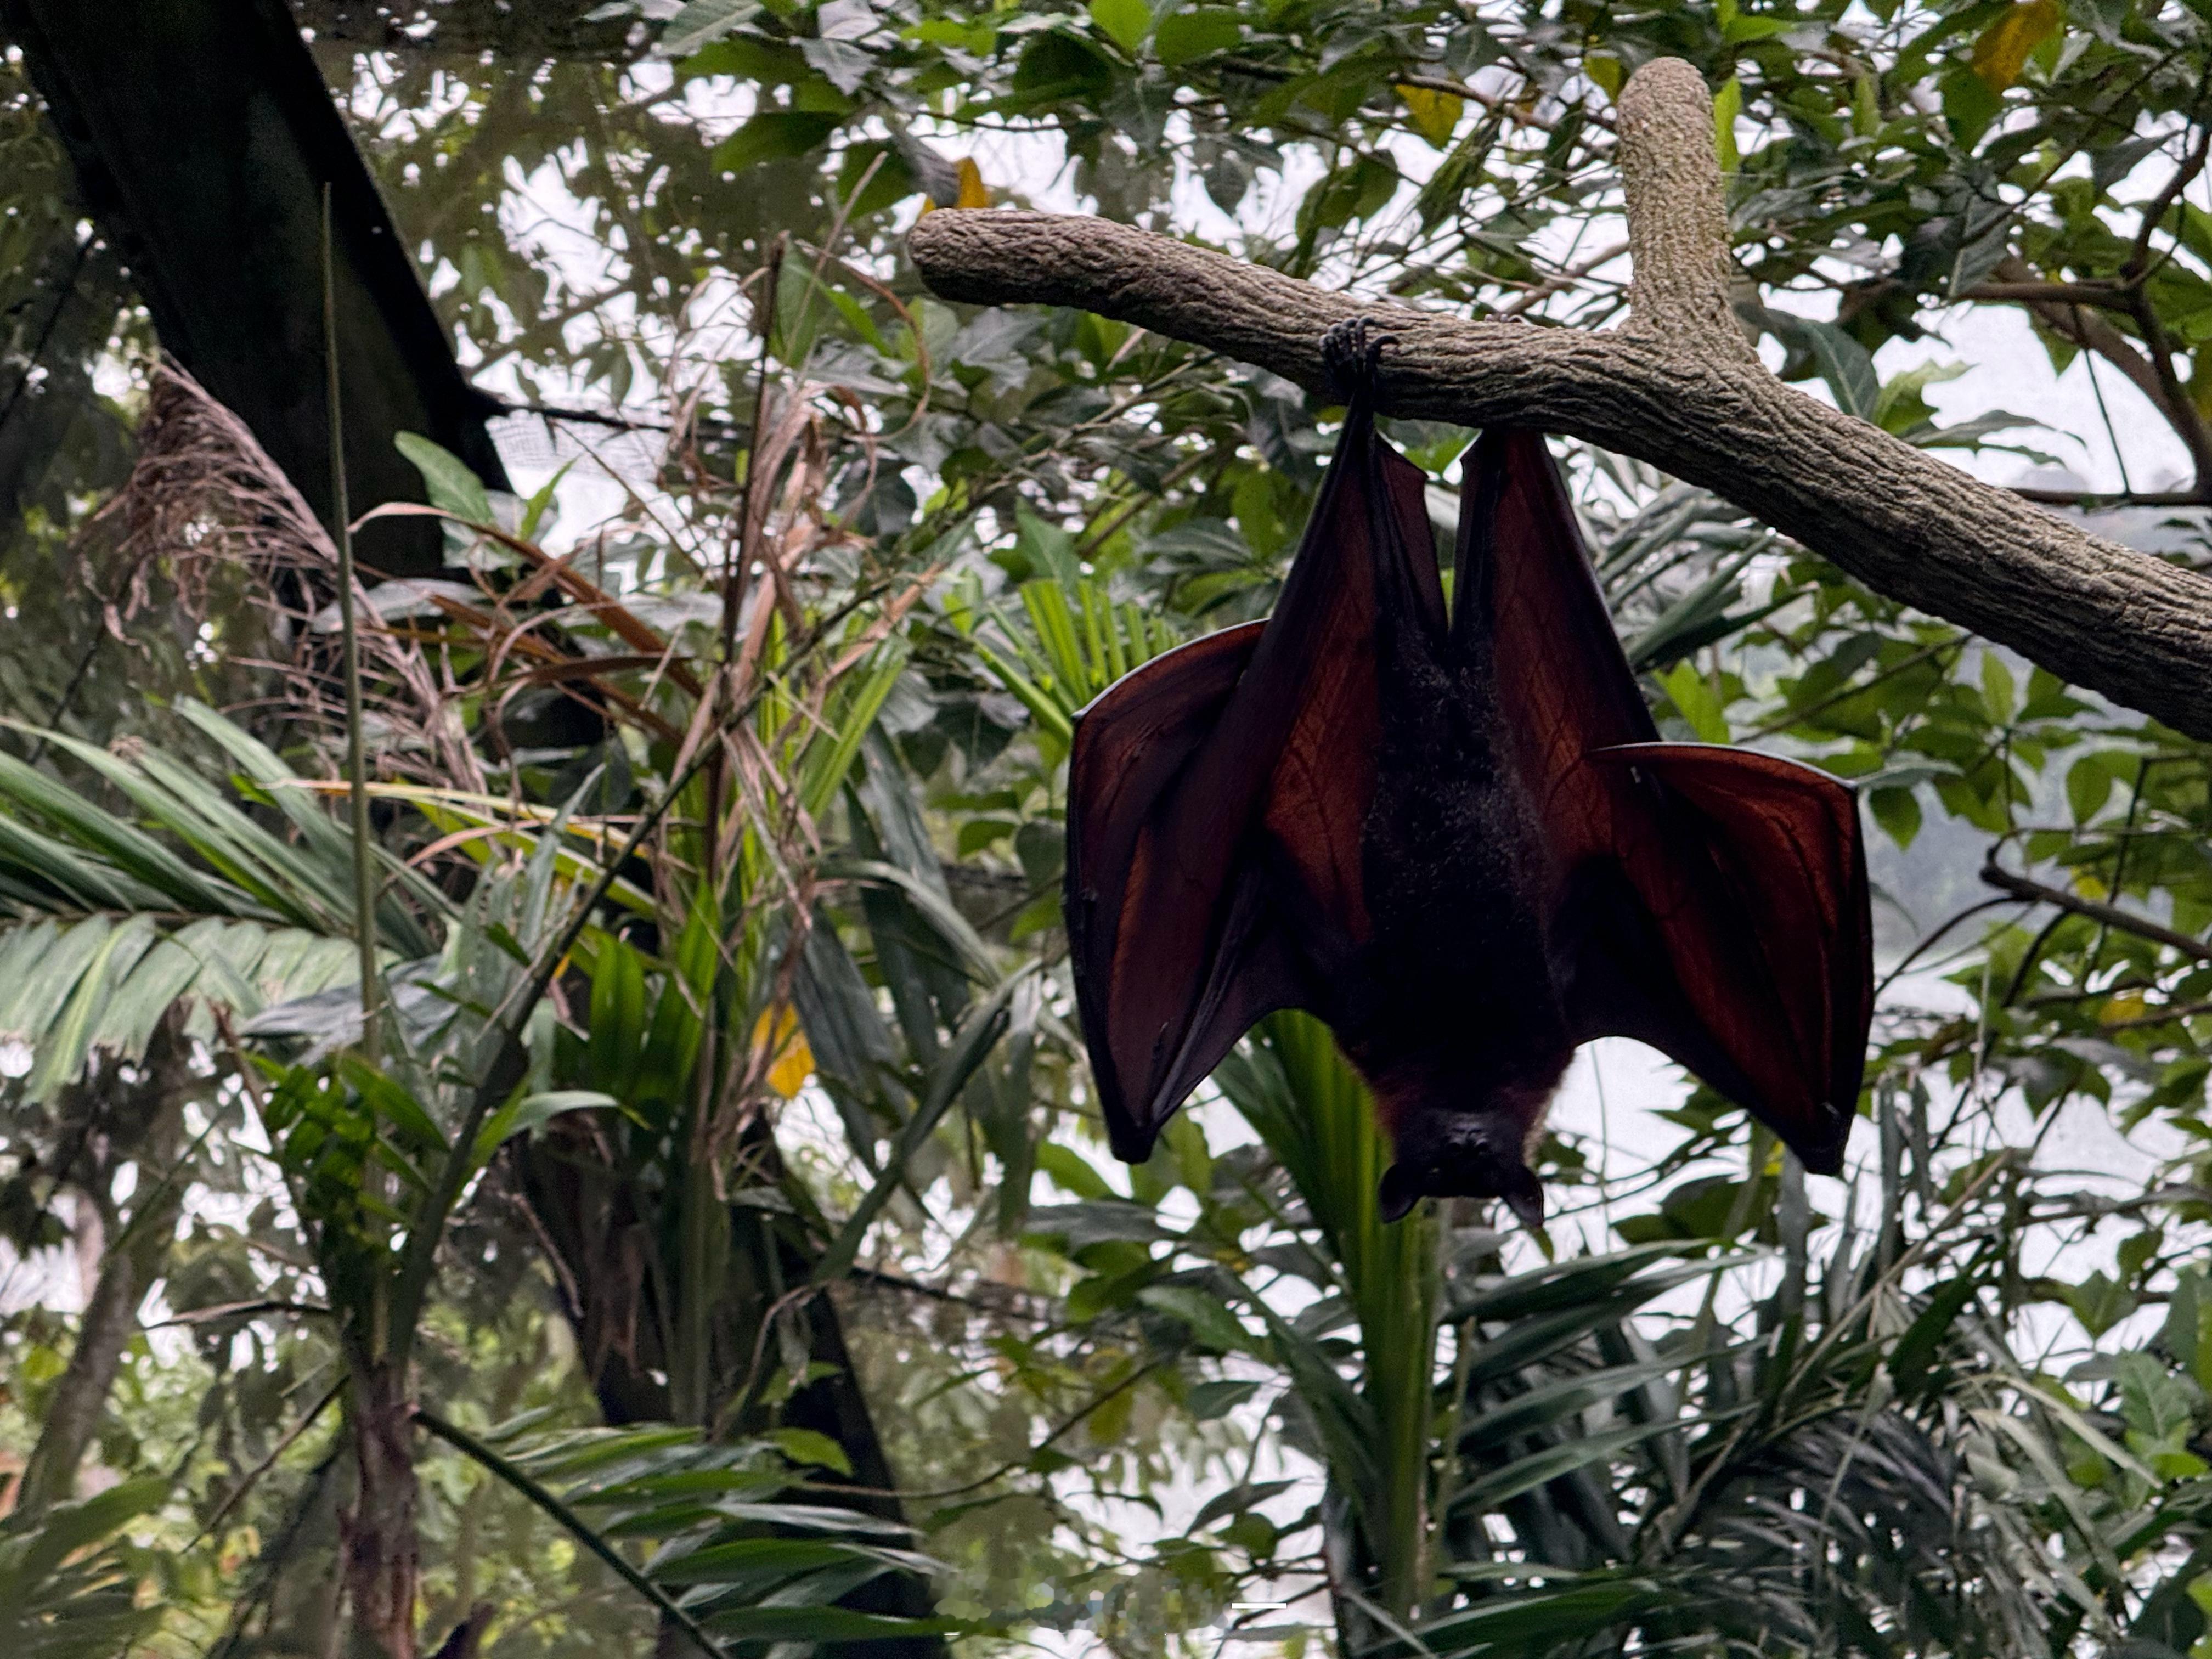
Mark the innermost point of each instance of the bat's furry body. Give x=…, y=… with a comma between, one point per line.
x=1456, y=981
x=1456, y=838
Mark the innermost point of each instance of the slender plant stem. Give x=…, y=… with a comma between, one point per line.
x=307, y=1421
x=364, y=875
x=469, y=1446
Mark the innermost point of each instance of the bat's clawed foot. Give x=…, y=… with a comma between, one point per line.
x=1352, y=353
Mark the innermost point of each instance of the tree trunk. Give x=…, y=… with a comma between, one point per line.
x=148, y=1113
x=383, y=1552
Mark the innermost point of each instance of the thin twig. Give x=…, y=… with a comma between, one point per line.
x=2020, y=887
x=246, y=1483
x=1004, y=1470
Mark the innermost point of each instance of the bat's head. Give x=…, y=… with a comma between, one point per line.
x=1467, y=1152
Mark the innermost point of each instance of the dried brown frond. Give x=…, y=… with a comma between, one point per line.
x=205, y=497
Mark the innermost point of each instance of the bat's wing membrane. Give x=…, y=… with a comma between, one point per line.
x=1710, y=901
x=1758, y=973
x=1217, y=798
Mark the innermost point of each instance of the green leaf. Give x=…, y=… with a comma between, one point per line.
x=2000, y=692
x=1183, y=37
x=1539, y=1469
x=1897, y=812
x=1728, y=104
x=1694, y=699
x=450, y=483
x=1969, y=105
x=703, y=21
x=1211, y=1401
x=2100, y=1302
x=775, y=136
x=1841, y=362
x=617, y=1025
x=1435, y=113
x=765, y=1623
x=1126, y=22
x=1914, y=1357
x=807, y=1446
x=1210, y=1321
x=530, y=1112
x=68, y=1528
x=1070, y=1173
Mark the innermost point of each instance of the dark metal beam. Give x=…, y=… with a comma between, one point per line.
x=203, y=135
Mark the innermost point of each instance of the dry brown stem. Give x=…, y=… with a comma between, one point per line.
x=1676, y=386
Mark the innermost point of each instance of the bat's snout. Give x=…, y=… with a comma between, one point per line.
x=1463, y=1154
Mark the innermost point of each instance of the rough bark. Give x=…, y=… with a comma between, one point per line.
x=382, y=1543
x=1677, y=387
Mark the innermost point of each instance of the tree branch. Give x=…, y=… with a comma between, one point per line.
x=1996, y=875
x=1677, y=387
x=2018, y=282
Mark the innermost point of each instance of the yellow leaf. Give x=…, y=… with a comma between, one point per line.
x=776, y=1033
x=2002, y=53
x=2089, y=885
x=1604, y=69
x=2128, y=1005
x=1435, y=114
x=972, y=191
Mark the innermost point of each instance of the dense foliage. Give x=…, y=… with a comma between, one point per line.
x=710, y=1233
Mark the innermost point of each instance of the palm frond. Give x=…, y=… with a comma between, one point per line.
x=107, y=920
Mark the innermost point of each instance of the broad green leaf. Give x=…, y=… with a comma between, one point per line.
x=1126, y=22
x=701, y=21
x=617, y=1025
x=1728, y=104
x=449, y=480
x=806, y=1446
x=775, y=136
x=530, y=1112
x=2088, y=786
x=1692, y=697
x=1183, y=37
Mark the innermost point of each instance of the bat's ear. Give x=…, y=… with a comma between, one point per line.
x=1398, y=1194
x=1524, y=1196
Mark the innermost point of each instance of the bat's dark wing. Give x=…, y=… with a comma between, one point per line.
x=1217, y=796
x=1710, y=901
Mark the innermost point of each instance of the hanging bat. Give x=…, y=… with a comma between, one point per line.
x=1454, y=835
